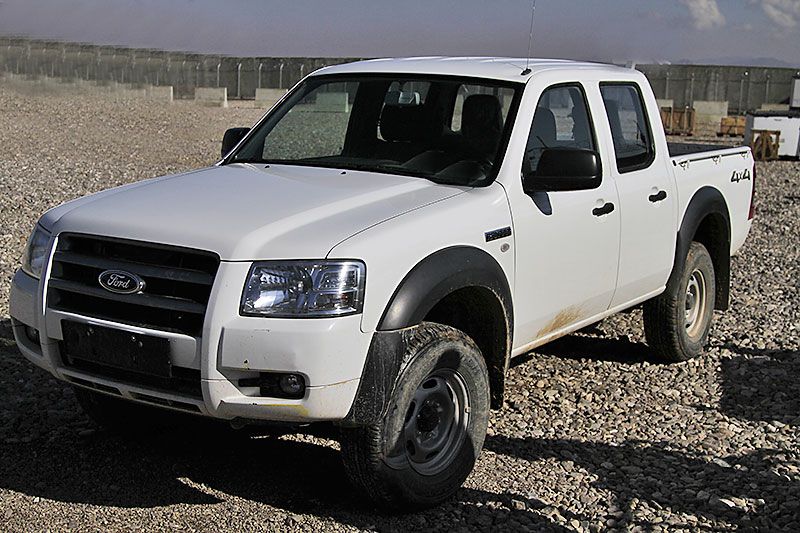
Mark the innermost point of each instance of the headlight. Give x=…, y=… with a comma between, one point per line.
x=36, y=252
x=304, y=289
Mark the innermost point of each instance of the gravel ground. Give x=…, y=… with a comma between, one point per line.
x=593, y=437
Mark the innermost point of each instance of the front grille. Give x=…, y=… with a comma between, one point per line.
x=175, y=297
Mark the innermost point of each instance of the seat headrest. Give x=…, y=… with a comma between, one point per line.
x=405, y=123
x=612, y=110
x=543, y=129
x=402, y=98
x=482, y=116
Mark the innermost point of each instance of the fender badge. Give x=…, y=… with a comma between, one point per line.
x=498, y=234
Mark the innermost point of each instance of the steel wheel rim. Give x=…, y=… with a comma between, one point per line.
x=695, y=308
x=436, y=422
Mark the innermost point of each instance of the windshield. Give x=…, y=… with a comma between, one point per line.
x=447, y=129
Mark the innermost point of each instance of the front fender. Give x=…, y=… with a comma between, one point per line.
x=428, y=283
x=438, y=275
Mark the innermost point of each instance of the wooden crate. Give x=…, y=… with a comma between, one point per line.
x=678, y=121
x=765, y=144
x=731, y=127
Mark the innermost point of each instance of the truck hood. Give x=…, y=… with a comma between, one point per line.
x=249, y=212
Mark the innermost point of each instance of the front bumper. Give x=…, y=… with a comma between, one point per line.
x=329, y=353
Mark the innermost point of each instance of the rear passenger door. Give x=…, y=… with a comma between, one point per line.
x=567, y=241
x=646, y=194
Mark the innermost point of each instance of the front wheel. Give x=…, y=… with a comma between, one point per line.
x=426, y=444
x=677, y=322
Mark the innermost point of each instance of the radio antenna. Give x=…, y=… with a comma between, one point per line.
x=530, y=41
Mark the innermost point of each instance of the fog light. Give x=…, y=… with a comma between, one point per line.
x=277, y=385
x=32, y=334
x=292, y=385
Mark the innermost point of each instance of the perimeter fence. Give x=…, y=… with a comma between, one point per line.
x=742, y=87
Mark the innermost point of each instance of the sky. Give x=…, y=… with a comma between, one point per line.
x=699, y=31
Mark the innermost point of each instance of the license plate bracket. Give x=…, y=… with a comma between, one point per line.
x=116, y=348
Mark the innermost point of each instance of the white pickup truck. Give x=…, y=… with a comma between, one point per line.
x=375, y=250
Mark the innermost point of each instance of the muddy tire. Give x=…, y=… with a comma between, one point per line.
x=426, y=444
x=677, y=322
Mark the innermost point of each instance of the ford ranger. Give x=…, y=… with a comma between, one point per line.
x=377, y=248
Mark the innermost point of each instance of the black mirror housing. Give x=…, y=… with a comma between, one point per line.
x=232, y=138
x=564, y=169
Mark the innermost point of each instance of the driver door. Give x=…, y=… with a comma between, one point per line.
x=567, y=241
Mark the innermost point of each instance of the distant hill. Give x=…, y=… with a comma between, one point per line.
x=740, y=62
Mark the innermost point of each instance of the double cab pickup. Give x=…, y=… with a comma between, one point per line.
x=375, y=250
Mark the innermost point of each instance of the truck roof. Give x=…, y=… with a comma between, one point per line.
x=500, y=68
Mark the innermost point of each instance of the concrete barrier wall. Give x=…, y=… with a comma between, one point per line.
x=708, y=116
x=705, y=107
x=163, y=93
x=267, y=97
x=774, y=107
x=211, y=96
x=116, y=87
x=662, y=102
x=332, y=103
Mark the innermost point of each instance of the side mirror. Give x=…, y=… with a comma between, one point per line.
x=564, y=169
x=232, y=138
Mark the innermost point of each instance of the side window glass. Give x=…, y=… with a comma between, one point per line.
x=630, y=131
x=561, y=120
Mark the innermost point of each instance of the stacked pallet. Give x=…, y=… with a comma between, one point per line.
x=678, y=121
x=731, y=127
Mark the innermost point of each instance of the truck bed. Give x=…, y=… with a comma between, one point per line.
x=725, y=168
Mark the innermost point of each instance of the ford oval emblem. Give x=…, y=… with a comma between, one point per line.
x=121, y=282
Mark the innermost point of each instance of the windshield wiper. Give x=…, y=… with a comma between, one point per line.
x=248, y=161
x=395, y=169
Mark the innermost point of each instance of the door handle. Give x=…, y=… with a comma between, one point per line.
x=657, y=197
x=606, y=209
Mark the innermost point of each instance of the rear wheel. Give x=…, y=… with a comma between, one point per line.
x=425, y=446
x=677, y=322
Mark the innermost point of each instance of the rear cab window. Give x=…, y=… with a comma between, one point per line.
x=630, y=126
